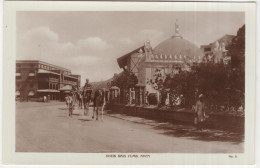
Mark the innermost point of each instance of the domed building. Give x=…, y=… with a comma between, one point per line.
x=151, y=65
x=178, y=48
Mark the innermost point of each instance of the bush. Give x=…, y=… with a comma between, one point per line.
x=221, y=85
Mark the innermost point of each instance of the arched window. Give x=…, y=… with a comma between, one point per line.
x=31, y=93
x=31, y=73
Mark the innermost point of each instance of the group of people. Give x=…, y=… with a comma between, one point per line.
x=44, y=99
x=84, y=98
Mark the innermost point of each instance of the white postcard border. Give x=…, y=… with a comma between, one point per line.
x=11, y=157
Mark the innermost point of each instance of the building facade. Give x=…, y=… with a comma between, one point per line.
x=36, y=79
x=153, y=64
x=216, y=52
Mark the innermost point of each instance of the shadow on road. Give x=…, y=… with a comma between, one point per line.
x=65, y=116
x=83, y=120
x=62, y=116
x=178, y=129
x=205, y=135
x=63, y=108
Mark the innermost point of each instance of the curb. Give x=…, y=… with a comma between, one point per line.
x=130, y=120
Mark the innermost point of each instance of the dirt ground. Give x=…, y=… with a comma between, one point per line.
x=47, y=127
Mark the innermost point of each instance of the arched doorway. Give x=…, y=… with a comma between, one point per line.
x=31, y=94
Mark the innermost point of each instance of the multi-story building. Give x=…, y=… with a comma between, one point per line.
x=216, y=52
x=35, y=79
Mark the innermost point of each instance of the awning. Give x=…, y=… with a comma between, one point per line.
x=42, y=71
x=48, y=91
x=17, y=93
x=66, y=88
x=31, y=93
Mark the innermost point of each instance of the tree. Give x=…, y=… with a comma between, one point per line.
x=125, y=80
x=236, y=49
x=212, y=80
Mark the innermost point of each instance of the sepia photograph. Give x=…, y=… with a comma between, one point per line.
x=128, y=84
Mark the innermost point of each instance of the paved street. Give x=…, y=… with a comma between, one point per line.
x=46, y=127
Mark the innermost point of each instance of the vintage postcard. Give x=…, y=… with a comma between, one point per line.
x=129, y=83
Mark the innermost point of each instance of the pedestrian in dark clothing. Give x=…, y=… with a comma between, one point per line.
x=98, y=102
x=200, y=112
x=80, y=99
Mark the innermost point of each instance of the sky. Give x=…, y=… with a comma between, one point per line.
x=89, y=43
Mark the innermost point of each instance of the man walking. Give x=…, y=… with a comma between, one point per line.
x=87, y=90
x=80, y=99
x=98, y=102
x=200, y=112
x=71, y=103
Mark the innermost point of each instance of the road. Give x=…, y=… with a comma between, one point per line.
x=46, y=127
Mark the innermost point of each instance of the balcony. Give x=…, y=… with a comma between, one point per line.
x=54, y=80
x=69, y=82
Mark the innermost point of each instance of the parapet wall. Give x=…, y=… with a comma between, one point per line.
x=215, y=121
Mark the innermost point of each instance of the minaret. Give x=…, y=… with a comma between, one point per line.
x=177, y=30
